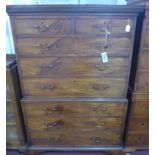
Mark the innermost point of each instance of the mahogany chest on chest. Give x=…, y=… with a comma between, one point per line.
x=137, y=134
x=74, y=64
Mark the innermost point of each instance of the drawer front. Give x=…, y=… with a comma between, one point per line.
x=12, y=133
x=141, y=108
x=72, y=45
x=138, y=139
x=74, y=139
x=10, y=117
x=61, y=108
x=139, y=124
x=94, y=87
x=98, y=25
x=142, y=84
x=78, y=123
x=42, y=26
x=77, y=66
x=144, y=60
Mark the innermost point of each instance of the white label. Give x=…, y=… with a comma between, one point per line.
x=104, y=57
x=127, y=29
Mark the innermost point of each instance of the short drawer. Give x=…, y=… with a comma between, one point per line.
x=140, y=108
x=138, y=124
x=10, y=116
x=83, y=86
x=77, y=123
x=98, y=25
x=12, y=133
x=137, y=139
x=77, y=66
x=142, y=83
x=33, y=26
x=74, y=139
x=72, y=45
x=73, y=108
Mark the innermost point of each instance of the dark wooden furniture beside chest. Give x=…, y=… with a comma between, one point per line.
x=138, y=123
x=72, y=98
x=15, y=136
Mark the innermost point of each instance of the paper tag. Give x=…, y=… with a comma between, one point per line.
x=104, y=57
x=127, y=29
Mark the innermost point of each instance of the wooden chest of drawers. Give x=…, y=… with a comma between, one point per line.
x=71, y=97
x=15, y=135
x=138, y=124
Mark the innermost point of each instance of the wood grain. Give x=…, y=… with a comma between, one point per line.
x=74, y=108
x=45, y=26
x=139, y=139
x=140, y=108
x=76, y=123
x=84, y=87
x=139, y=124
x=98, y=25
x=74, y=139
x=74, y=66
x=72, y=45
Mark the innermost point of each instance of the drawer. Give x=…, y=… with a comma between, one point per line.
x=76, y=66
x=137, y=139
x=77, y=123
x=142, y=83
x=12, y=133
x=33, y=26
x=37, y=108
x=74, y=139
x=10, y=116
x=139, y=124
x=144, y=60
x=84, y=87
x=98, y=25
x=140, y=108
x=72, y=45
x=9, y=108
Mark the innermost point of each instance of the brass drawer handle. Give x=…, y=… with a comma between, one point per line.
x=58, y=123
x=104, y=109
x=98, y=140
x=44, y=66
x=97, y=109
x=53, y=139
x=142, y=124
x=98, y=87
x=97, y=125
x=57, y=108
x=140, y=140
x=101, y=67
x=146, y=109
x=44, y=47
x=42, y=27
x=47, y=87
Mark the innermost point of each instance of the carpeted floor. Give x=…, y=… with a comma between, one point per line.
x=74, y=153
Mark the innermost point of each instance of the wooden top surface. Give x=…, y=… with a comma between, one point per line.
x=15, y=9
